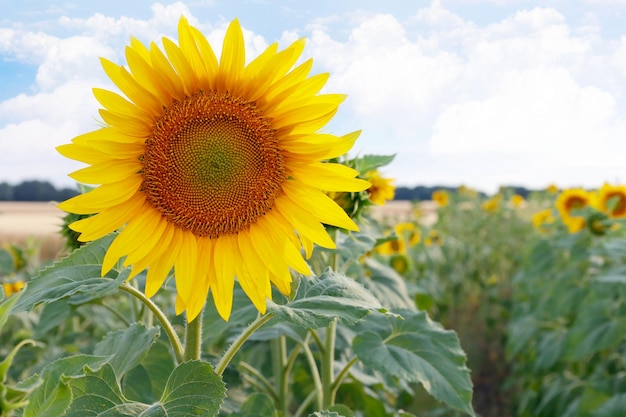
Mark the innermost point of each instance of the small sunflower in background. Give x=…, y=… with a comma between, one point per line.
x=212, y=167
x=543, y=218
x=517, y=200
x=491, y=205
x=382, y=189
x=11, y=288
x=612, y=200
x=441, y=197
x=552, y=189
x=569, y=202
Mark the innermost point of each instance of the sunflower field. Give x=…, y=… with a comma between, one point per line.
x=226, y=257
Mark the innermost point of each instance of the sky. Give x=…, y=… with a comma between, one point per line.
x=476, y=92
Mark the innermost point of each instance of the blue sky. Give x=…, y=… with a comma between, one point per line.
x=479, y=92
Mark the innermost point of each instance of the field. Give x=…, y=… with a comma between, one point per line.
x=489, y=306
x=32, y=223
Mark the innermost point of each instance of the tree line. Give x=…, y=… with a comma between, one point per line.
x=421, y=192
x=34, y=190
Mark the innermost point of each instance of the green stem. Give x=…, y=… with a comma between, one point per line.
x=241, y=339
x=342, y=375
x=260, y=379
x=165, y=323
x=279, y=361
x=315, y=374
x=193, y=339
x=328, y=360
x=308, y=400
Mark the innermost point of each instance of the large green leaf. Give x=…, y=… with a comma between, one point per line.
x=368, y=163
x=77, y=275
x=81, y=280
x=321, y=300
x=147, y=381
x=193, y=389
x=97, y=394
x=127, y=347
x=416, y=349
x=52, y=397
x=387, y=285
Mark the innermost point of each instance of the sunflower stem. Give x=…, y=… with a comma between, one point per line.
x=279, y=362
x=241, y=339
x=165, y=323
x=193, y=339
x=328, y=360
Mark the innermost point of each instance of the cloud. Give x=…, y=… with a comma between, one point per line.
x=456, y=100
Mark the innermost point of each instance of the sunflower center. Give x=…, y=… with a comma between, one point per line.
x=575, y=203
x=212, y=164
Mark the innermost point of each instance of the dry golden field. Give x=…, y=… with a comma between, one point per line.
x=33, y=225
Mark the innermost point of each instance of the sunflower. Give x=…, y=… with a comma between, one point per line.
x=612, y=200
x=382, y=189
x=11, y=288
x=542, y=218
x=491, y=205
x=573, y=199
x=441, y=197
x=517, y=200
x=213, y=168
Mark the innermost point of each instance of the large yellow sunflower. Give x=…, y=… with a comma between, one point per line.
x=212, y=167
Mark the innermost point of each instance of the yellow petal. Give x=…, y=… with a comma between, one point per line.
x=233, y=58
x=224, y=263
x=208, y=58
x=182, y=67
x=82, y=153
x=328, y=176
x=190, y=50
x=186, y=265
x=321, y=206
x=131, y=126
x=252, y=273
x=319, y=146
x=107, y=172
x=146, y=76
x=131, y=89
x=168, y=77
x=159, y=270
x=108, y=220
x=306, y=226
x=103, y=197
x=116, y=103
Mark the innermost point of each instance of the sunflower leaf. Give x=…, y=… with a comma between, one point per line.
x=127, y=347
x=193, y=389
x=52, y=396
x=417, y=350
x=320, y=300
x=81, y=282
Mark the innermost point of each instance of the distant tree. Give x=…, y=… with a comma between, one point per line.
x=34, y=191
x=6, y=191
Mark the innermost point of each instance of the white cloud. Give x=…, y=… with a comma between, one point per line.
x=528, y=99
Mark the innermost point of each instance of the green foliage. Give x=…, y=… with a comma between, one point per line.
x=568, y=324
x=416, y=349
